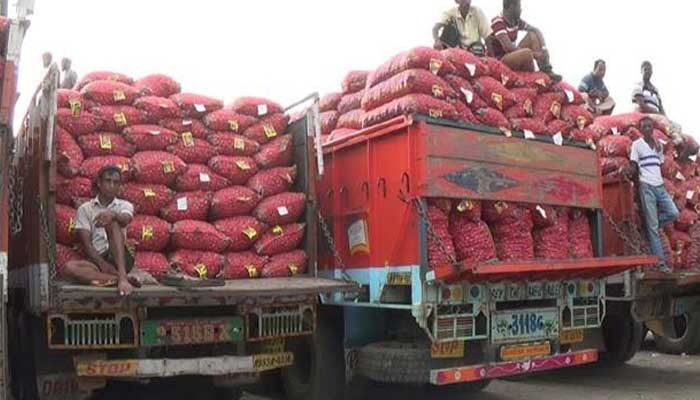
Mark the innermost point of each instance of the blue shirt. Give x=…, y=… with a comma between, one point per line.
x=591, y=83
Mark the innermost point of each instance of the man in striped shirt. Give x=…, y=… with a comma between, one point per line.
x=658, y=208
x=502, y=43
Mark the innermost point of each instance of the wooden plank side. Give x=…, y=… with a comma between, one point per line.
x=488, y=181
x=445, y=142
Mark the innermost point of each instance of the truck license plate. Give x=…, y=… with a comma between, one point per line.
x=447, y=350
x=524, y=325
x=268, y=362
x=176, y=332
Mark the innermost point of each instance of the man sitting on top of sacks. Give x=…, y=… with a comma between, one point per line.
x=100, y=225
x=648, y=101
x=595, y=92
x=463, y=26
x=658, y=208
x=519, y=57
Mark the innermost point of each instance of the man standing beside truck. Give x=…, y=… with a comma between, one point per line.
x=463, y=26
x=101, y=224
x=502, y=43
x=658, y=208
x=595, y=92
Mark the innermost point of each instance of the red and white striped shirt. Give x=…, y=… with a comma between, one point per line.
x=500, y=26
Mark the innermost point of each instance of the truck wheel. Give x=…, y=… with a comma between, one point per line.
x=319, y=365
x=687, y=332
x=623, y=337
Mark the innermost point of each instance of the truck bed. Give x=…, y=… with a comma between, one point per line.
x=274, y=290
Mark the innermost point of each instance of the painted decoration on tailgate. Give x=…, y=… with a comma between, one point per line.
x=191, y=331
x=481, y=180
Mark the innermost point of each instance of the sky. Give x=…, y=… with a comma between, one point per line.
x=285, y=50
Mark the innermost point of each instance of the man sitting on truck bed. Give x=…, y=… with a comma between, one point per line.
x=658, y=208
x=100, y=224
x=463, y=26
x=593, y=88
x=521, y=57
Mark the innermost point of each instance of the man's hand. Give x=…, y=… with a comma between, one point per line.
x=125, y=287
x=105, y=218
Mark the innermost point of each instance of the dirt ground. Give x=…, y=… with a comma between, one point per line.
x=650, y=376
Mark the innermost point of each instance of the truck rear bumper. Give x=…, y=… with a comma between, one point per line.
x=165, y=367
x=475, y=373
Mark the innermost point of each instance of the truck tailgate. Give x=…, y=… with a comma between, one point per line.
x=273, y=290
x=541, y=269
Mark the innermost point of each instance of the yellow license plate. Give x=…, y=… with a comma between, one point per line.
x=268, y=362
x=399, y=279
x=570, y=337
x=525, y=352
x=447, y=350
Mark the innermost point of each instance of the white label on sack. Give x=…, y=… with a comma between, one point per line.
x=693, y=158
x=200, y=108
x=528, y=134
x=680, y=177
x=558, y=139
x=471, y=68
x=663, y=142
x=468, y=95
x=689, y=195
x=262, y=110
x=154, y=132
x=615, y=131
x=282, y=211
x=164, y=105
x=542, y=212
x=182, y=204
x=187, y=122
x=204, y=177
x=569, y=95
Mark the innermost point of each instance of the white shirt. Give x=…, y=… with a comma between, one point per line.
x=473, y=28
x=649, y=161
x=88, y=212
x=650, y=95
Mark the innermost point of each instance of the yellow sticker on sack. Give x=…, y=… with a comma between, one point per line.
x=124, y=167
x=252, y=271
x=75, y=107
x=438, y=91
x=270, y=131
x=293, y=269
x=541, y=82
x=187, y=139
x=581, y=121
x=233, y=125
x=105, y=142
x=201, y=270
x=500, y=207
x=148, y=192
x=555, y=109
x=465, y=205
x=250, y=232
x=113, y=78
x=527, y=106
x=278, y=230
x=146, y=233
x=71, y=225
x=168, y=167
x=435, y=65
x=498, y=100
x=435, y=113
x=505, y=79
x=243, y=165
x=239, y=144
x=119, y=95
x=120, y=119
x=244, y=199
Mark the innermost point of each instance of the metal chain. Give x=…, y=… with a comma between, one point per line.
x=16, y=200
x=331, y=244
x=634, y=245
x=432, y=235
x=50, y=248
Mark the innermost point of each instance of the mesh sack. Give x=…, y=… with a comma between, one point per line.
x=494, y=93
x=195, y=105
x=466, y=63
x=157, y=108
x=414, y=81
x=411, y=104
x=255, y=107
x=199, y=177
x=229, y=121
x=273, y=181
x=277, y=153
x=103, y=76
x=354, y=81
x=229, y=144
x=580, y=244
x=232, y=202
x=417, y=58
x=280, y=239
x=154, y=263
x=193, y=151
x=116, y=118
x=198, y=235
x=187, y=206
x=69, y=155
x=243, y=265
x=281, y=209
x=179, y=126
x=198, y=264
x=110, y=93
x=92, y=166
x=148, y=233
x=236, y=169
x=157, y=167
x=243, y=231
x=147, y=199
x=77, y=124
x=285, y=265
x=158, y=85
x=268, y=129
x=106, y=144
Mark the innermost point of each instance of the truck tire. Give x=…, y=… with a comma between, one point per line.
x=406, y=363
x=318, y=372
x=687, y=329
x=623, y=337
